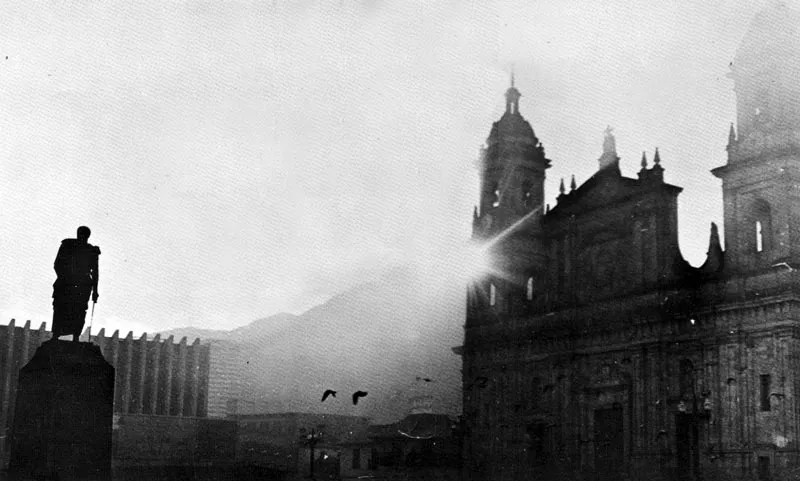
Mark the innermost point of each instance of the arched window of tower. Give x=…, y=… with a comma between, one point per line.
x=759, y=237
x=526, y=192
x=492, y=295
x=761, y=225
x=529, y=289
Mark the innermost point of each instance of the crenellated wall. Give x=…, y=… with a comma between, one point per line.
x=153, y=376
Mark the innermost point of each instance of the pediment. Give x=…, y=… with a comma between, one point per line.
x=605, y=188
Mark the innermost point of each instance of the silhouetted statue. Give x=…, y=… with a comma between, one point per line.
x=609, y=143
x=76, y=268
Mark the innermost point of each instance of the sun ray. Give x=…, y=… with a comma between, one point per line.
x=476, y=258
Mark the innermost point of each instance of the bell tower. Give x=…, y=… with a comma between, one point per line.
x=761, y=178
x=512, y=171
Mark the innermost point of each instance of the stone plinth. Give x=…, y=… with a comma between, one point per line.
x=64, y=413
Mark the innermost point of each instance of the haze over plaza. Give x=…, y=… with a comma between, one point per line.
x=236, y=160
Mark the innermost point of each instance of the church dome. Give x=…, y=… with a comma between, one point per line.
x=512, y=126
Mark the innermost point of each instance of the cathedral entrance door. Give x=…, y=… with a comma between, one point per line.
x=609, y=444
x=686, y=447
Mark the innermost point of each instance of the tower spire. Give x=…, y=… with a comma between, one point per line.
x=512, y=96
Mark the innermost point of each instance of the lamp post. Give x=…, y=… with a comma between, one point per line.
x=313, y=438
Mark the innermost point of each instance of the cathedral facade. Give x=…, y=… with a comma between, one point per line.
x=595, y=351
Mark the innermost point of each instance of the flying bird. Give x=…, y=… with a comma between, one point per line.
x=426, y=379
x=327, y=393
x=357, y=395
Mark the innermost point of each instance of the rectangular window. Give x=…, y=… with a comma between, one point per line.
x=763, y=468
x=765, y=388
x=356, y=458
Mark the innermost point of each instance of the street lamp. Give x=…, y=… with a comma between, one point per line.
x=312, y=438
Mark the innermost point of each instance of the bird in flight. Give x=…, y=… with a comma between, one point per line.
x=426, y=379
x=327, y=393
x=357, y=395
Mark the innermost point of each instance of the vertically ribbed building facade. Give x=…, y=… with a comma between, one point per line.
x=157, y=376
x=597, y=352
x=153, y=376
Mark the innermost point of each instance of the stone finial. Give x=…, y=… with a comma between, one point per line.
x=572, y=184
x=714, y=237
x=714, y=256
x=644, y=160
x=731, y=137
x=561, y=188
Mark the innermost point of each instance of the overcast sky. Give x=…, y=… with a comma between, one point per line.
x=238, y=159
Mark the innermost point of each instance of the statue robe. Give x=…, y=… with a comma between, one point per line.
x=76, y=266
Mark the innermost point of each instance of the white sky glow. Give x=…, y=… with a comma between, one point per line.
x=238, y=159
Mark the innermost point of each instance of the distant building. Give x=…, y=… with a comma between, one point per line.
x=599, y=353
x=225, y=379
x=419, y=441
x=276, y=440
x=173, y=447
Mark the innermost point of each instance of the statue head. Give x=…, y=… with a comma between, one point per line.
x=84, y=233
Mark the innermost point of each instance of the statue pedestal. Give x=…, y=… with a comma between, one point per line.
x=64, y=413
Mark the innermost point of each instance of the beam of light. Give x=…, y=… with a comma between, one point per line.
x=475, y=261
x=510, y=229
x=467, y=264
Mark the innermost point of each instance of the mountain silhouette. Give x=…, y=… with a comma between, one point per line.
x=377, y=337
